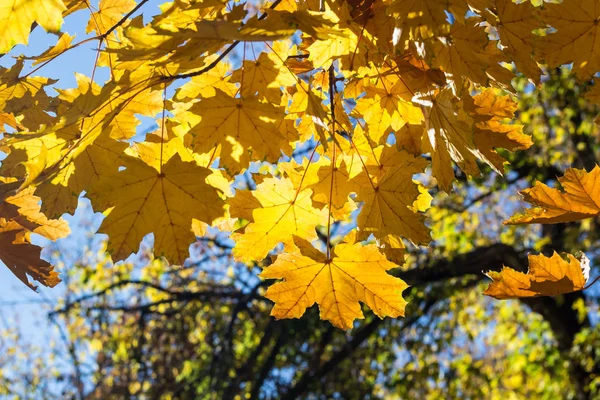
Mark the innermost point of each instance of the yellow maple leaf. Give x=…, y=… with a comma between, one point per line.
x=354, y=273
x=547, y=276
x=388, y=192
x=284, y=211
x=386, y=107
x=423, y=19
x=580, y=199
x=228, y=121
x=206, y=84
x=29, y=215
x=467, y=53
x=576, y=37
x=108, y=14
x=16, y=17
x=62, y=45
x=263, y=77
x=285, y=22
x=24, y=96
x=61, y=192
x=514, y=23
x=448, y=137
x=140, y=200
x=348, y=49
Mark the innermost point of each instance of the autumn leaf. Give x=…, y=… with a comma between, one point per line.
x=140, y=200
x=23, y=258
x=108, y=14
x=284, y=211
x=388, y=193
x=355, y=273
x=229, y=121
x=16, y=17
x=575, y=39
x=515, y=23
x=321, y=118
x=580, y=199
x=547, y=276
x=448, y=137
x=469, y=54
x=20, y=216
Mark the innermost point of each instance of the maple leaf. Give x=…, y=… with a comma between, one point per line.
x=24, y=96
x=386, y=107
x=580, y=199
x=227, y=121
x=419, y=19
x=16, y=17
x=490, y=113
x=206, y=85
x=576, y=38
x=547, y=276
x=467, y=53
x=23, y=258
x=348, y=49
x=514, y=24
x=388, y=193
x=284, y=211
x=30, y=217
x=263, y=77
x=448, y=137
x=63, y=44
x=20, y=216
x=61, y=192
x=354, y=273
x=140, y=200
x=287, y=22
x=108, y=14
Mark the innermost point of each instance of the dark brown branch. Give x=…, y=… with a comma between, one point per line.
x=213, y=64
x=122, y=20
x=314, y=376
x=491, y=257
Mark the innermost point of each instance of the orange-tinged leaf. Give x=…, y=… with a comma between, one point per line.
x=580, y=199
x=30, y=216
x=23, y=258
x=20, y=216
x=355, y=273
x=547, y=276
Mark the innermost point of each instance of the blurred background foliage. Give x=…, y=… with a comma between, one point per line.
x=143, y=329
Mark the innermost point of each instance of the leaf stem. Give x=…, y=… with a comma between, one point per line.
x=162, y=127
x=589, y=285
x=221, y=56
x=333, y=122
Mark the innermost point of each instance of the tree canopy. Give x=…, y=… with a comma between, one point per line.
x=357, y=155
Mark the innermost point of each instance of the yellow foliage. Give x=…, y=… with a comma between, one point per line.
x=355, y=273
x=316, y=115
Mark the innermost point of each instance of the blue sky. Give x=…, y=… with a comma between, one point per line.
x=19, y=304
